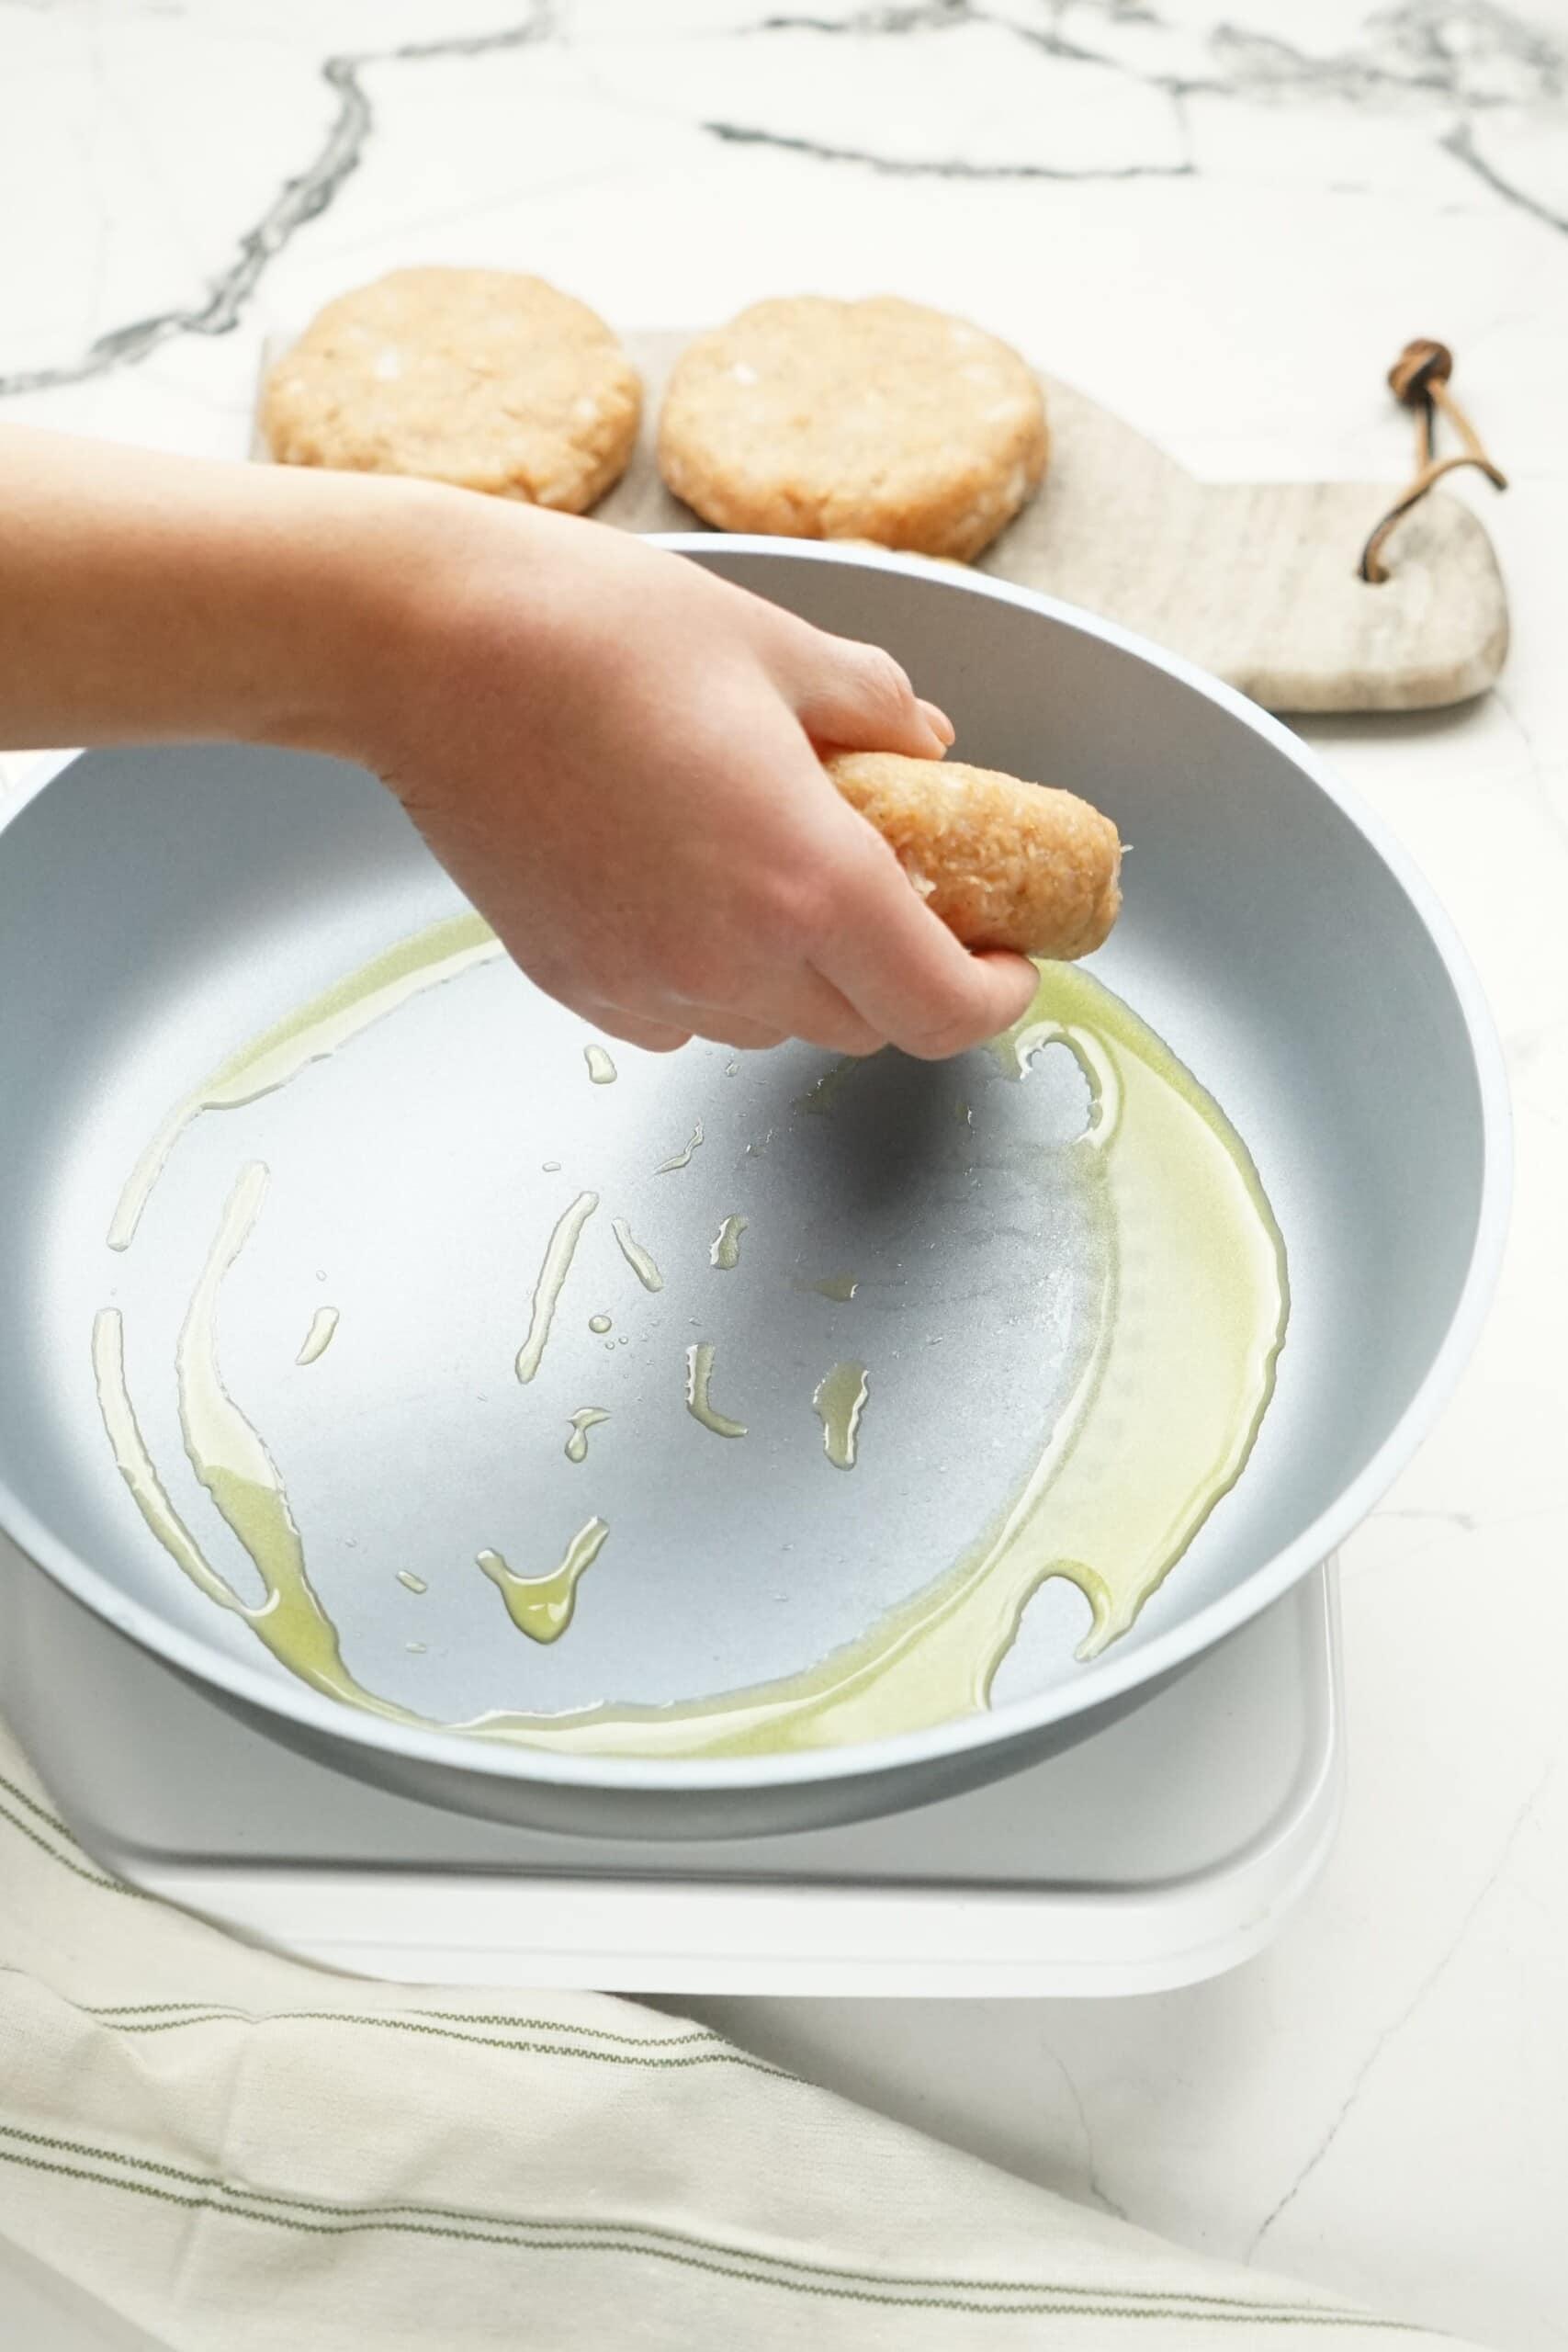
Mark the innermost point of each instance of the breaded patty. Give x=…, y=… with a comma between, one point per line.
x=1004, y=863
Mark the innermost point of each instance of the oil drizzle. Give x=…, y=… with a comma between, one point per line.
x=234, y=1467
x=839, y=1402
x=637, y=1257
x=543, y=1607
x=725, y=1251
x=699, y=1371
x=820, y=1097
x=1187, y=1357
x=137, y=1467
x=840, y=1288
x=319, y=1338
x=682, y=1158
x=589, y=1418
x=552, y=1277
x=319, y=1028
x=601, y=1068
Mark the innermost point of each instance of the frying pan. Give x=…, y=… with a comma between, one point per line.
x=158, y=907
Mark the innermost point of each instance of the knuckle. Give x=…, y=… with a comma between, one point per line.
x=801, y=906
x=856, y=1038
x=883, y=679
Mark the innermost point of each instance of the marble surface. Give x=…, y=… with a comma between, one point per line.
x=1222, y=221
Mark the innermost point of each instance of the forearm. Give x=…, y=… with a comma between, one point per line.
x=145, y=597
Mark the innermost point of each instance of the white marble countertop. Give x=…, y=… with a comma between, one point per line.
x=1223, y=222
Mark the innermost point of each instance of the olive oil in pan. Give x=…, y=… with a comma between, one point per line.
x=725, y=1251
x=839, y=1401
x=601, y=1068
x=1193, y=1313
x=699, y=1371
x=553, y=1272
x=542, y=1606
x=840, y=1288
x=636, y=1256
x=682, y=1158
x=821, y=1096
x=589, y=1418
x=319, y=1338
x=319, y=1028
x=234, y=1467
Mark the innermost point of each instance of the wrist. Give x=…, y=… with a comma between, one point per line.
x=342, y=567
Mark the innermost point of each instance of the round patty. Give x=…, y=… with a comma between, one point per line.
x=478, y=377
x=879, y=419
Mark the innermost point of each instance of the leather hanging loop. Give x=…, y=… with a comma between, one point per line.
x=1419, y=379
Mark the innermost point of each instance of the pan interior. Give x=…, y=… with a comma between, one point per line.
x=157, y=909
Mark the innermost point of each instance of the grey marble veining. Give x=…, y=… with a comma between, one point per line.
x=1464, y=70
x=301, y=198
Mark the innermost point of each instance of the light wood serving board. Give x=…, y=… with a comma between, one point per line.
x=1253, y=582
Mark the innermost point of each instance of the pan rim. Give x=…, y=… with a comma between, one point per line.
x=1113, y=1677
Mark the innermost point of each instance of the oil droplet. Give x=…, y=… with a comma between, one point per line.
x=588, y=1418
x=731, y=1069
x=416, y=1649
x=319, y=1028
x=681, y=1158
x=840, y=1288
x=550, y=1167
x=542, y=1606
x=839, y=1401
x=699, y=1371
x=637, y=1257
x=820, y=1098
x=599, y=1323
x=319, y=1338
x=725, y=1251
x=964, y=1114
x=320, y=1273
x=411, y=1583
x=552, y=1276
x=601, y=1068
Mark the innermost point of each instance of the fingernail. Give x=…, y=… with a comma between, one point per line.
x=942, y=727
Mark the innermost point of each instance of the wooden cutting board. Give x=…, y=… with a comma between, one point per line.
x=1256, y=582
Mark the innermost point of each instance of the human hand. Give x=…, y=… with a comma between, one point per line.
x=612, y=752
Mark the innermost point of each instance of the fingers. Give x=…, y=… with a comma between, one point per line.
x=823, y=1015
x=807, y=1007
x=726, y=1028
x=633, y=1029
x=857, y=698
x=904, y=973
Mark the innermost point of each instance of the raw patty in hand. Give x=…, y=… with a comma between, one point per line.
x=880, y=420
x=478, y=377
x=1004, y=863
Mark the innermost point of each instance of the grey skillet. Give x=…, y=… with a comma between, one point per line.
x=159, y=906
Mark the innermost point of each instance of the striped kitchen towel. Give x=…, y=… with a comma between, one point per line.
x=236, y=2153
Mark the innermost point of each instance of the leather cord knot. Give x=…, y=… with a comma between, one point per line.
x=1419, y=379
